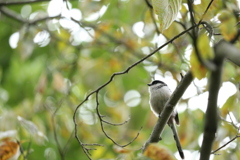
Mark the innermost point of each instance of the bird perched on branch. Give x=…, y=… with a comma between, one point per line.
x=159, y=95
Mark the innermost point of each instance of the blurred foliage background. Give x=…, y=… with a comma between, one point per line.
x=54, y=53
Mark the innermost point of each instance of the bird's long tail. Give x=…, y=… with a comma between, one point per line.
x=175, y=135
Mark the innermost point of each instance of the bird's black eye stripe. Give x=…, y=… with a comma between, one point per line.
x=157, y=81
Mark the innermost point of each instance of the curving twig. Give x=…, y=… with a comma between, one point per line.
x=17, y=17
x=214, y=152
x=86, y=150
x=237, y=136
x=114, y=124
x=102, y=127
x=22, y=2
x=205, y=12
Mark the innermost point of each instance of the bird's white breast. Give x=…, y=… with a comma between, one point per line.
x=158, y=98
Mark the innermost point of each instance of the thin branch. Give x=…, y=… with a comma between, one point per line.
x=21, y=150
x=237, y=136
x=231, y=123
x=22, y=2
x=64, y=150
x=234, y=125
x=184, y=27
x=43, y=19
x=111, y=79
x=18, y=18
x=12, y=14
x=154, y=21
x=191, y=11
x=28, y=149
x=205, y=12
x=92, y=144
x=15, y=16
x=108, y=35
x=55, y=134
x=152, y=16
x=102, y=127
x=149, y=4
x=115, y=124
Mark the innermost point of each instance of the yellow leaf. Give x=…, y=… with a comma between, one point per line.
x=9, y=149
x=157, y=152
x=198, y=70
x=206, y=53
x=121, y=150
x=58, y=82
x=204, y=47
x=228, y=25
x=65, y=36
x=229, y=105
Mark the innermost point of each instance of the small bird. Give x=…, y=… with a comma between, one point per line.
x=159, y=95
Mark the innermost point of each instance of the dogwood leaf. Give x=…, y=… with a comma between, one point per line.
x=167, y=11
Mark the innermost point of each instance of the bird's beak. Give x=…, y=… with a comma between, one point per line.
x=149, y=84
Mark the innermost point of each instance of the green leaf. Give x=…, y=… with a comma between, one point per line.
x=228, y=25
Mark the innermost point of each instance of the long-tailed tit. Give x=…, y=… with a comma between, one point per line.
x=159, y=95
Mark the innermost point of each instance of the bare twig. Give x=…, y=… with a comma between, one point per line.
x=110, y=80
x=18, y=18
x=205, y=12
x=15, y=16
x=234, y=125
x=61, y=150
x=22, y=2
x=102, y=127
x=149, y=4
x=115, y=124
x=28, y=149
x=64, y=150
x=191, y=11
x=55, y=134
x=93, y=144
x=184, y=27
x=152, y=16
x=108, y=35
x=21, y=150
x=237, y=136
